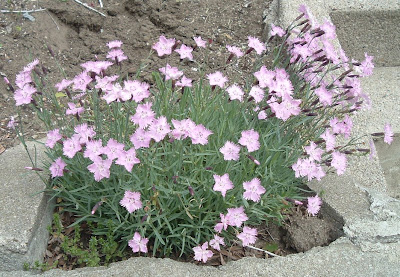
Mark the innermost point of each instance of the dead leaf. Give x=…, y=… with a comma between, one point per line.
x=2, y=149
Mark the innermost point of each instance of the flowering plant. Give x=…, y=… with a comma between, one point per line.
x=185, y=166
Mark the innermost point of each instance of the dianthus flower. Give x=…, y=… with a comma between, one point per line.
x=170, y=72
x=276, y=30
x=200, y=42
x=63, y=84
x=73, y=109
x=329, y=29
x=140, y=138
x=94, y=148
x=222, y=183
x=257, y=45
x=249, y=139
x=159, y=128
x=200, y=134
x=116, y=54
x=57, y=168
x=288, y=107
x=138, y=90
x=100, y=168
x=324, y=95
x=253, y=190
x=114, y=44
x=235, y=51
x=248, y=236
x=223, y=224
x=164, y=46
x=230, y=151
x=184, y=82
x=128, y=159
x=96, y=66
x=185, y=52
x=265, y=77
x=113, y=149
x=131, y=201
x=314, y=205
x=144, y=115
x=52, y=137
x=330, y=139
x=81, y=81
x=236, y=216
x=71, y=146
x=201, y=253
x=388, y=134
x=339, y=161
x=216, y=242
x=85, y=132
x=314, y=152
x=23, y=78
x=257, y=93
x=24, y=95
x=217, y=79
x=367, y=66
x=138, y=243
x=235, y=92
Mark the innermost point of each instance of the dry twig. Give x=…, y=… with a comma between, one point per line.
x=265, y=251
x=58, y=28
x=101, y=3
x=89, y=7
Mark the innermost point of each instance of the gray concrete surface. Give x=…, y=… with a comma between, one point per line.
x=363, y=197
x=24, y=214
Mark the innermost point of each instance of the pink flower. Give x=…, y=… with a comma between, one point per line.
x=164, y=46
x=30, y=66
x=236, y=216
x=200, y=42
x=73, y=109
x=367, y=66
x=12, y=124
x=249, y=139
x=262, y=115
x=314, y=152
x=23, y=78
x=81, y=81
x=100, y=168
x=314, y=205
x=329, y=29
x=128, y=159
x=63, y=84
x=96, y=66
x=57, y=168
x=216, y=242
x=138, y=243
x=308, y=167
x=185, y=52
x=222, y=183
x=324, y=95
x=257, y=93
x=222, y=225
x=201, y=253
x=138, y=90
x=71, y=146
x=24, y=95
x=330, y=139
x=276, y=30
x=388, y=134
x=200, y=134
x=257, y=45
x=140, y=138
x=230, y=151
x=248, y=236
x=265, y=77
x=52, y=138
x=235, y=51
x=235, y=92
x=94, y=148
x=116, y=54
x=131, y=201
x=184, y=82
x=144, y=115
x=288, y=107
x=105, y=83
x=217, y=79
x=253, y=190
x=339, y=161
x=170, y=72
x=85, y=132
x=114, y=44
x=159, y=128
x=113, y=149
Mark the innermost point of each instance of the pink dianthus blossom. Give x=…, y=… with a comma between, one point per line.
x=249, y=139
x=24, y=95
x=81, y=81
x=265, y=77
x=235, y=92
x=314, y=205
x=131, y=201
x=257, y=93
x=159, y=128
x=388, y=134
x=128, y=159
x=63, y=84
x=113, y=149
x=276, y=30
x=138, y=243
x=314, y=152
x=164, y=46
x=140, y=138
x=200, y=42
x=257, y=45
x=230, y=151
x=288, y=107
x=52, y=137
x=71, y=146
x=114, y=44
x=235, y=51
x=367, y=66
x=185, y=52
x=85, y=132
x=223, y=224
x=116, y=54
x=94, y=148
x=248, y=236
x=100, y=168
x=74, y=110
x=144, y=115
x=184, y=82
x=216, y=242
x=222, y=183
x=236, y=216
x=200, y=134
x=330, y=139
x=253, y=190
x=217, y=79
x=57, y=168
x=170, y=72
x=201, y=253
x=339, y=161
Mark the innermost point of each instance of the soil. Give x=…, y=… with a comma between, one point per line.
x=76, y=34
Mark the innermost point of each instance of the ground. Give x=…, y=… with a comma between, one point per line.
x=76, y=34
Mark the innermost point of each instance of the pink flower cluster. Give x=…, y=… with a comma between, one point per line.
x=26, y=87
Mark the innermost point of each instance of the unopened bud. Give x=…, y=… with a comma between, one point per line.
x=144, y=218
x=33, y=168
x=191, y=191
x=253, y=159
x=50, y=50
x=98, y=204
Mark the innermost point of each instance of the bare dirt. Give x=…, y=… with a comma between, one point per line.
x=76, y=35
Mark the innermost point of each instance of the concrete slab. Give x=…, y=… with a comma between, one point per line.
x=24, y=215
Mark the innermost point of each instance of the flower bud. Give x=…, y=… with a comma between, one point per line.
x=98, y=204
x=191, y=191
x=33, y=168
